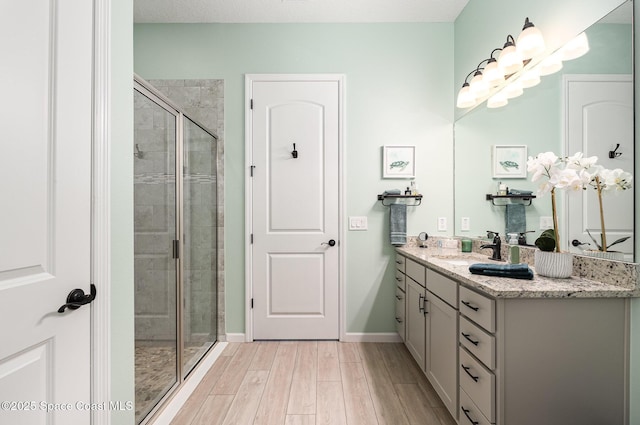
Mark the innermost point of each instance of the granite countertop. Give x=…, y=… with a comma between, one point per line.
x=457, y=267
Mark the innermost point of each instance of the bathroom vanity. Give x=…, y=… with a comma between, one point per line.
x=508, y=351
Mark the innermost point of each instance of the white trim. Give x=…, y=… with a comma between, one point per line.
x=341, y=80
x=237, y=338
x=101, y=214
x=178, y=400
x=371, y=337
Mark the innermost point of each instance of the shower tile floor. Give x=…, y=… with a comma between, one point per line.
x=155, y=368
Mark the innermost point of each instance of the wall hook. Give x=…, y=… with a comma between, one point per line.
x=613, y=153
x=138, y=153
x=294, y=153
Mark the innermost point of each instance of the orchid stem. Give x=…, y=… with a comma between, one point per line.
x=555, y=219
x=603, y=235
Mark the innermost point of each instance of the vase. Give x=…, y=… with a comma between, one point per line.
x=607, y=255
x=554, y=264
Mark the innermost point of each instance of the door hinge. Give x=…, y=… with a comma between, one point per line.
x=251, y=167
x=251, y=104
x=176, y=249
x=251, y=302
x=251, y=238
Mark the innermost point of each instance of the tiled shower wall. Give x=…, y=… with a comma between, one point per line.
x=202, y=100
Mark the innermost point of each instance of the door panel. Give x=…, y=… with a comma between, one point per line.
x=45, y=167
x=600, y=115
x=295, y=209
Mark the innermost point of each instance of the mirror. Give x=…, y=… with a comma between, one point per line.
x=536, y=119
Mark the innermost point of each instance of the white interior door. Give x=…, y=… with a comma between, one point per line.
x=599, y=115
x=45, y=218
x=295, y=267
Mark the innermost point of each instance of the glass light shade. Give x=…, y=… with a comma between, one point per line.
x=575, y=48
x=466, y=99
x=530, y=78
x=479, y=87
x=509, y=60
x=492, y=74
x=514, y=89
x=551, y=64
x=497, y=100
x=530, y=43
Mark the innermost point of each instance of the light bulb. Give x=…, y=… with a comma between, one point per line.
x=497, y=100
x=492, y=74
x=551, y=64
x=530, y=78
x=478, y=86
x=575, y=48
x=514, y=89
x=509, y=60
x=530, y=41
x=466, y=99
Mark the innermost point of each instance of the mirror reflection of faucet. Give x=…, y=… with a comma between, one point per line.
x=495, y=246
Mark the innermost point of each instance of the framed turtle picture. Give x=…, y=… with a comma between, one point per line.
x=398, y=162
x=509, y=161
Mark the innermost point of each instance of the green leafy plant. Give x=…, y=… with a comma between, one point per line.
x=546, y=241
x=603, y=241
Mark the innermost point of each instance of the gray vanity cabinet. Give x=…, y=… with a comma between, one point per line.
x=415, y=322
x=401, y=295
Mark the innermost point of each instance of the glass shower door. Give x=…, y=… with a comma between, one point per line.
x=200, y=243
x=155, y=268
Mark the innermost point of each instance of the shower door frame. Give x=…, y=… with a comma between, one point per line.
x=165, y=103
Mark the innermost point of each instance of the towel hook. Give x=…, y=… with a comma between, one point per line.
x=294, y=153
x=613, y=153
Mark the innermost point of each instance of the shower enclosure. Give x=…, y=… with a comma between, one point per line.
x=175, y=245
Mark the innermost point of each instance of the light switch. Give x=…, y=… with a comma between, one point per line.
x=546, y=222
x=442, y=224
x=465, y=224
x=358, y=223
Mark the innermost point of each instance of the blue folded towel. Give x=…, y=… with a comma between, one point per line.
x=520, y=192
x=514, y=271
x=398, y=224
x=392, y=192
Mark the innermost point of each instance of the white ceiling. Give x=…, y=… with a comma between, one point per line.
x=250, y=11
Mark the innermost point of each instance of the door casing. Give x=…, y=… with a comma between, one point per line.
x=249, y=80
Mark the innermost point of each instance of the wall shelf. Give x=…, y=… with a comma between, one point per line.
x=417, y=198
x=492, y=198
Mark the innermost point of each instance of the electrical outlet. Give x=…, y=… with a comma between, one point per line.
x=465, y=224
x=442, y=224
x=546, y=222
x=358, y=223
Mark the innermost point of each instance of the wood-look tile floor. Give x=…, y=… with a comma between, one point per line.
x=314, y=383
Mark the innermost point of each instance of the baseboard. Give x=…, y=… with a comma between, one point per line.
x=177, y=401
x=371, y=337
x=235, y=337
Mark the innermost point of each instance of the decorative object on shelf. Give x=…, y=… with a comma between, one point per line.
x=508, y=162
x=398, y=162
x=517, y=67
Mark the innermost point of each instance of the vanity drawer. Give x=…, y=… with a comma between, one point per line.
x=400, y=261
x=479, y=384
x=401, y=281
x=416, y=271
x=469, y=412
x=400, y=312
x=479, y=343
x=478, y=308
x=443, y=287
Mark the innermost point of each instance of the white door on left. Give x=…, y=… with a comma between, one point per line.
x=45, y=214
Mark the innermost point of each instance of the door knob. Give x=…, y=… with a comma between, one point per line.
x=576, y=242
x=330, y=243
x=77, y=298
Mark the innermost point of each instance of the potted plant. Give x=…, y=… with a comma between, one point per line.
x=549, y=259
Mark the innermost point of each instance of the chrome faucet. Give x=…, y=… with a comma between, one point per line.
x=495, y=246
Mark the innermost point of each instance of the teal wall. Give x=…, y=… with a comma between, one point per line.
x=398, y=91
x=121, y=127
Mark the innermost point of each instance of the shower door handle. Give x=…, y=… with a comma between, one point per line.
x=77, y=298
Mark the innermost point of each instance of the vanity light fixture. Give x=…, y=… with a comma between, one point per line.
x=509, y=61
x=492, y=74
x=497, y=100
x=575, y=48
x=466, y=99
x=530, y=41
x=478, y=86
x=530, y=78
x=551, y=64
x=514, y=89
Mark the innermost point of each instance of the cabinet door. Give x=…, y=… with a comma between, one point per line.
x=415, y=322
x=442, y=350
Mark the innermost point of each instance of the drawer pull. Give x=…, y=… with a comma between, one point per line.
x=468, y=304
x=398, y=320
x=468, y=338
x=420, y=302
x=399, y=298
x=466, y=369
x=398, y=262
x=399, y=279
x=466, y=413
